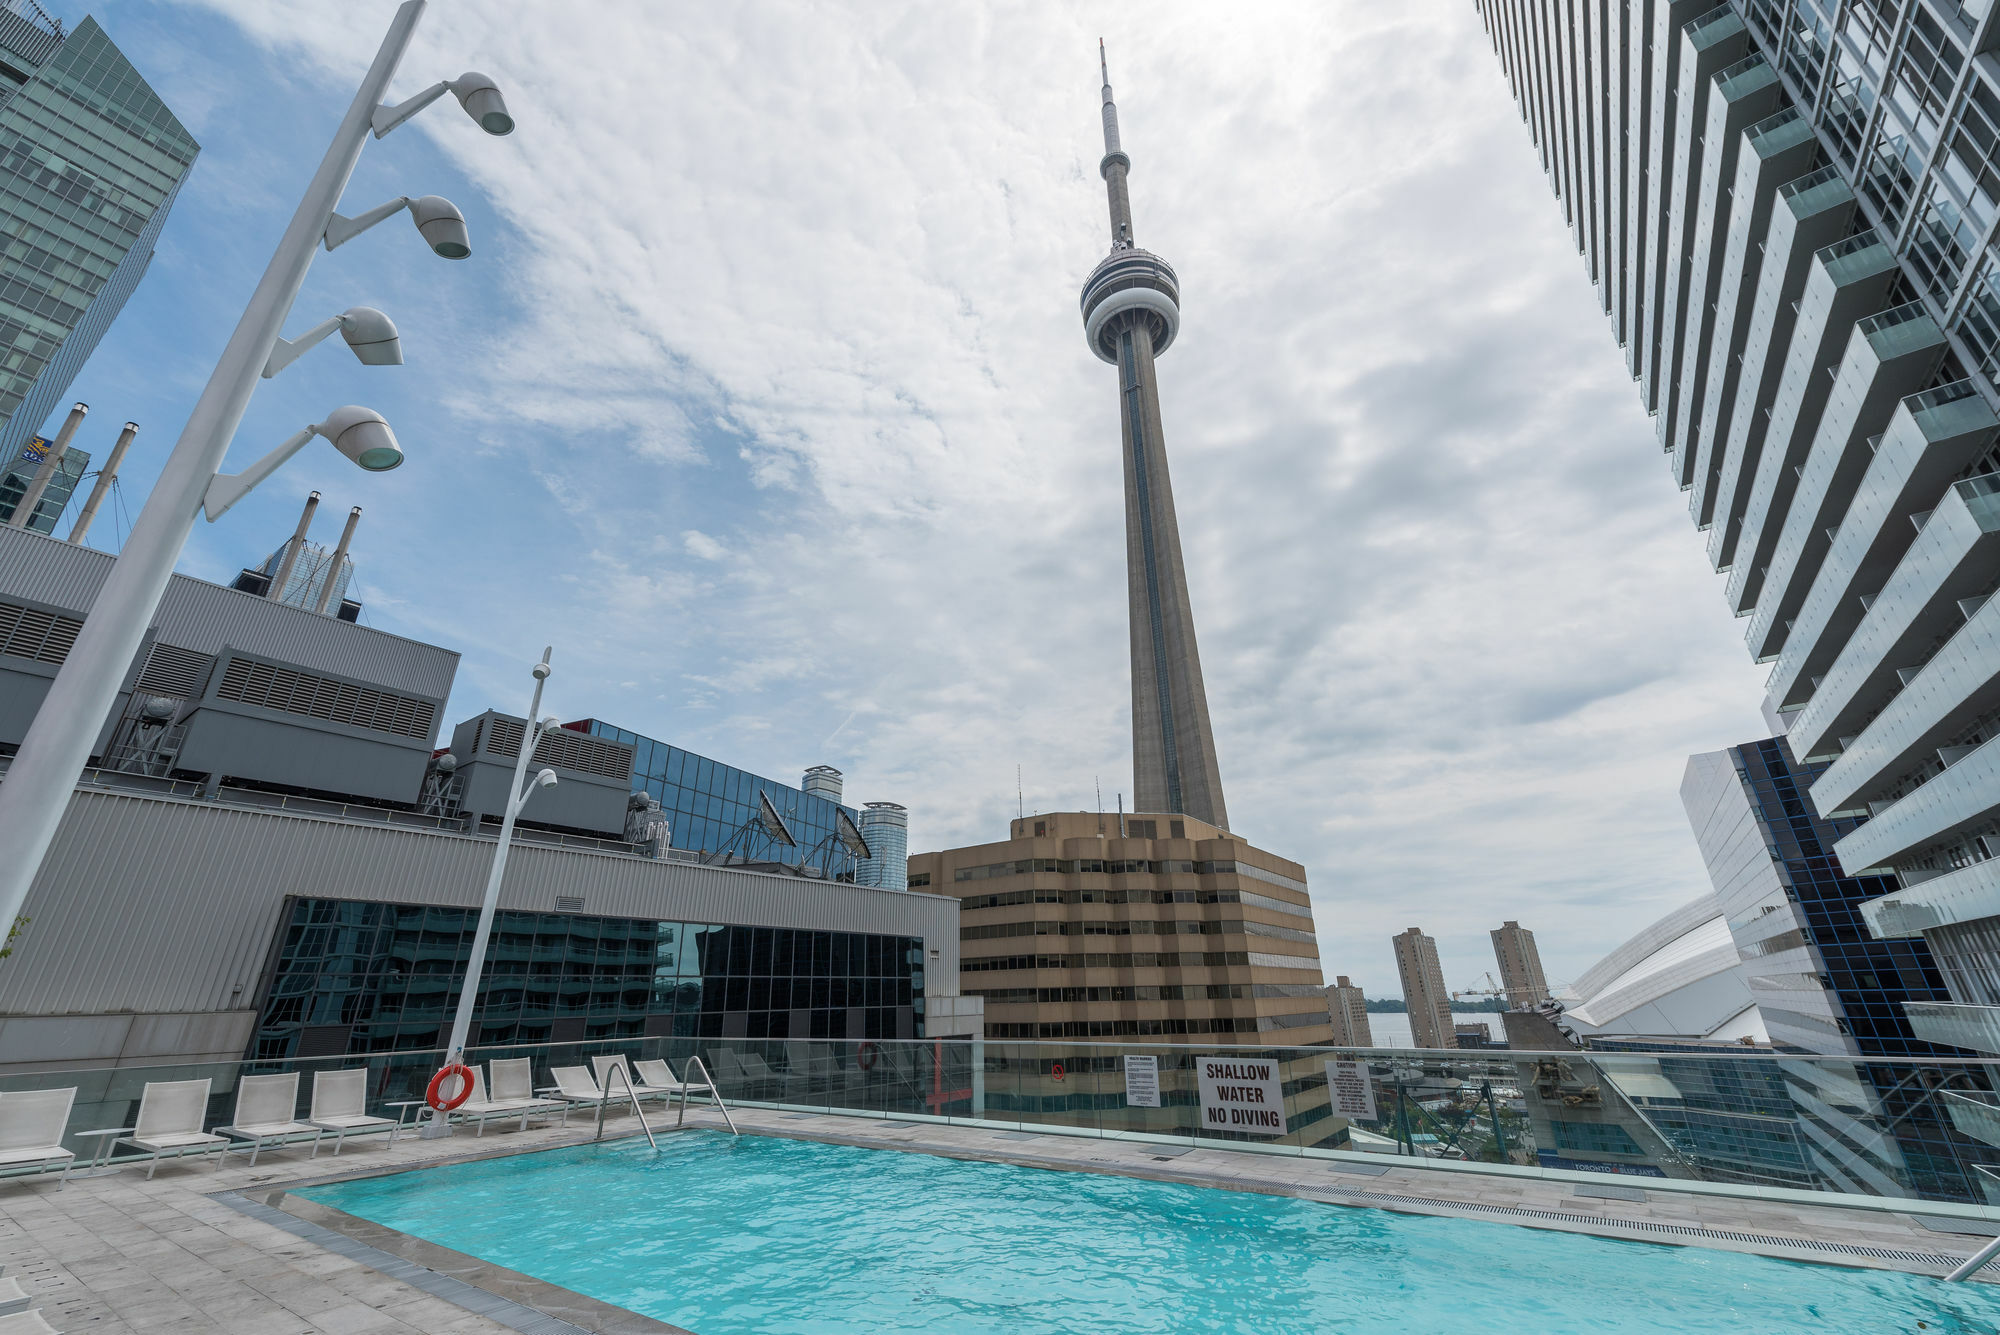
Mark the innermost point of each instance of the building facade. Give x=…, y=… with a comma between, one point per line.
x=1791, y=210
x=1175, y=929
x=1424, y=994
x=93, y=161
x=1520, y=965
x=1349, y=1011
x=270, y=857
x=1822, y=982
x=18, y=476
x=712, y=808
x=1131, y=313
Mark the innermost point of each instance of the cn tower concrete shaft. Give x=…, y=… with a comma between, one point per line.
x=1131, y=312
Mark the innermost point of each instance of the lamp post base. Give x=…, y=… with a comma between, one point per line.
x=435, y=1127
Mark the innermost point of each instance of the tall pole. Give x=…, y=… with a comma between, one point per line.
x=276, y=591
x=339, y=555
x=52, y=755
x=105, y=477
x=517, y=797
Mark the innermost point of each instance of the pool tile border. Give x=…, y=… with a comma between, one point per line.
x=521, y=1302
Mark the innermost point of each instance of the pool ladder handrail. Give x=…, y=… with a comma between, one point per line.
x=618, y=1069
x=691, y=1065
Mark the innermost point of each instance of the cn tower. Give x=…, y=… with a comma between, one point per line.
x=1131, y=312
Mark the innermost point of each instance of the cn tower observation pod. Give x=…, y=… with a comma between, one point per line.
x=1130, y=280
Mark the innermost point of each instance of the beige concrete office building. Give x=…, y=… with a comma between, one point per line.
x=1174, y=929
x=1520, y=965
x=1423, y=990
x=1349, y=1011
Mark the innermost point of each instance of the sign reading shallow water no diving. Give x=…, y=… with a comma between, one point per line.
x=1241, y=1094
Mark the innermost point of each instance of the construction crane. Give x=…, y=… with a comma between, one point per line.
x=1492, y=989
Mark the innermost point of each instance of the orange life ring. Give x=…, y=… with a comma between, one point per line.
x=464, y=1074
x=864, y=1056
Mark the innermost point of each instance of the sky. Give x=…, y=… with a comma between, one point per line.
x=764, y=399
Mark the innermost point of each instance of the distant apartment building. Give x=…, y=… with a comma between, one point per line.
x=1168, y=928
x=1349, y=1010
x=1520, y=965
x=1424, y=992
x=90, y=163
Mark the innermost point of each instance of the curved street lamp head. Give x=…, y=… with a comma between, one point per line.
x=363, y=435
x=545, y=779
x=443, y=226
x=480, y=97
x=372, y=336
x=541, y=671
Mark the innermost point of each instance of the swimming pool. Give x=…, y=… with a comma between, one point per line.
x=730, y=1237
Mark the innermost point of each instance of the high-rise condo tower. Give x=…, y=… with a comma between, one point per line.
x=1131, y=312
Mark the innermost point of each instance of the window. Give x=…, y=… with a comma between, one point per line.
x=1041, y=829
x=1177, y=829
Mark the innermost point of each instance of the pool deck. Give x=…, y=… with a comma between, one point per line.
x=201, y=1249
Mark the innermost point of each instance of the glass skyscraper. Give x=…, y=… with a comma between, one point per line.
x=709, y=804
x=1791, y=211
x=90, y=163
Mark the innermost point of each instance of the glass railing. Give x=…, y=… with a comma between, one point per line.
x=1753, y=1121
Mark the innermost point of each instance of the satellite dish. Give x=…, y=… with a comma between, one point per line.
x=774, y=824
x=446, y=763
x=850, y=838
x=157, y=709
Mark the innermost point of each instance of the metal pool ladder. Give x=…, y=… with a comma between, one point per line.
x=688, y=1068
x=618, y=1069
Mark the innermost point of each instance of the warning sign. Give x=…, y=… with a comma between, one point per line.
x=1350, y=1090
x=1241, y=1094
x=1142, y=1082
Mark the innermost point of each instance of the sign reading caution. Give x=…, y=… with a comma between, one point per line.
x=1242, y=1094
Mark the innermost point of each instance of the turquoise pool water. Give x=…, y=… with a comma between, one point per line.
x=764, y=1236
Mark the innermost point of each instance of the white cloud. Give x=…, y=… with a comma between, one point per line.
x=703, y=547
x=793, y=343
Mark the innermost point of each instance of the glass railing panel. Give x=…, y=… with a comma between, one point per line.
x=1757, y=1120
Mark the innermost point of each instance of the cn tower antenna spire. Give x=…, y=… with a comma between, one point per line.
x=1115, y=164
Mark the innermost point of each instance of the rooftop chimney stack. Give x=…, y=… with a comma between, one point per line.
x=297, y=544
x=105, y=477
x=32, y=497
x=333, y=566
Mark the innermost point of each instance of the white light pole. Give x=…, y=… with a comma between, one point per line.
x=518, y=793
x=52, y=755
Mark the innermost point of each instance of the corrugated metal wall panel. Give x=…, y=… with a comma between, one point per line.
x=195, y=614
x=158, y=904
x=206, y=617
x=43, y=570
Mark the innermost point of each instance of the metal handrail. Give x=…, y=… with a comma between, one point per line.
x=618, y=1069
x=695, y=1064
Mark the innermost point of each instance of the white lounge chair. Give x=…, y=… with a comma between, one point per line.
x=340, y=1105
x=32, y=1122
x=26, y=1323
x=575, y=1085
x=510, y=1095
x=644, y=1088
x=169, y=1122
x=13, y=1298
x=658, y=1075
x=265, y=1108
